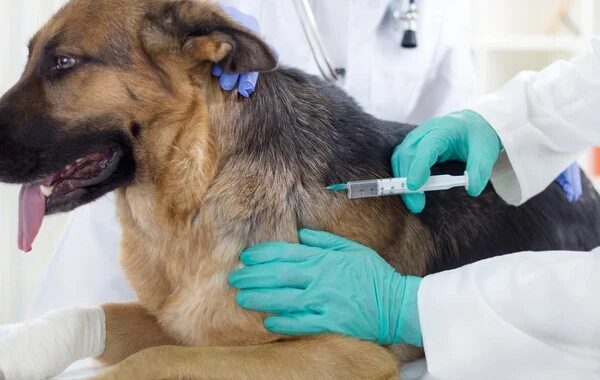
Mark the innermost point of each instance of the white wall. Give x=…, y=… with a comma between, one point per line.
x=19, y=273
x=513, y=35
x=510, y=36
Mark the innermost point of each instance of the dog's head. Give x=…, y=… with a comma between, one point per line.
x=106, y=84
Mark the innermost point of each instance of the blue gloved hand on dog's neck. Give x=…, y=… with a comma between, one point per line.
x=328, y=284
x=245, y=82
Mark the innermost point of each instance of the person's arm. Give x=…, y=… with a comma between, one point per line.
x=520, y=316
x=545, y=121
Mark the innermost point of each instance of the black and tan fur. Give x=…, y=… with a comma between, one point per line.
x=207, y=173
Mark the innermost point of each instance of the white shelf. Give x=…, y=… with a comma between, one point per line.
x=530, y=43
x=511, y=36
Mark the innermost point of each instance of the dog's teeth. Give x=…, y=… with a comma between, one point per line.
x=46, y=190
x=79, y=160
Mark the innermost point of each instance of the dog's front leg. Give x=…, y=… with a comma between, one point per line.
x=46, y=346
x=130, y=328
x=319, y=357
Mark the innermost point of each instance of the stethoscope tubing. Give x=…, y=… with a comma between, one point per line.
x=326, y=68
x=315, y=41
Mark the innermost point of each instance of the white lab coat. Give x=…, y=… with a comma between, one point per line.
x=388, y=81
x=525, y=316
x=528, y=315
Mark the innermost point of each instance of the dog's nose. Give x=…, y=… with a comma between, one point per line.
x=3, y=126
x=15, y=107
x=4, y=130
x=15, y=161
x=14, y=114
x=4, y=116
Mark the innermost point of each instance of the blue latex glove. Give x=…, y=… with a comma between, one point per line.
x=327, y=284
x=462, y=136
x=570, y=182
x=246, y=82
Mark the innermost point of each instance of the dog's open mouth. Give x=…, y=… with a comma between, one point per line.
x=70, y=182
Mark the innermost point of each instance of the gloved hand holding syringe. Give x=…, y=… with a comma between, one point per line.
x=397, y=186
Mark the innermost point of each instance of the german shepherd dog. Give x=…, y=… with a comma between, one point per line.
x=118, y=95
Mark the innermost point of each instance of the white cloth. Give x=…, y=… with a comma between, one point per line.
x=82, y=369
x=48, y=345
x=526, y=316
x=545, y=120
x=390, y=82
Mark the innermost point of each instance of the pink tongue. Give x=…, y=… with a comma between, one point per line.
x=32, y=207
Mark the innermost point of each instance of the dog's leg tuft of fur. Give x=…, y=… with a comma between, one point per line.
x=129, y=329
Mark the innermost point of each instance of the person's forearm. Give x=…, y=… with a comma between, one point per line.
x=545, y=120
x=519, y=316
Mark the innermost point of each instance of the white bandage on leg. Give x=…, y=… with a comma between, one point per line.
x=46, y=346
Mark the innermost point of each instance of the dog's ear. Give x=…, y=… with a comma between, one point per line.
x=202, y=32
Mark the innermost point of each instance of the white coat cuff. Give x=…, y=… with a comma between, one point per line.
x=505, y=176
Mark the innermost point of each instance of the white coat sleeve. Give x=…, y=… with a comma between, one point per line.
x=521, y=316
x=545, y=120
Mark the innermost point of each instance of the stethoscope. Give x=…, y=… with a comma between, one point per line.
x=407, y=20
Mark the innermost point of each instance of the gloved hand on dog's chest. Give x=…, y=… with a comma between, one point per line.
x=328, y=284
x=245, y=82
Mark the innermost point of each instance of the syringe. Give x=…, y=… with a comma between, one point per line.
x=397, y=186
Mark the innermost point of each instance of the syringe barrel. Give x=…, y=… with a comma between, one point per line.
x=377, y=188
x=397, y=186
x=363, y=189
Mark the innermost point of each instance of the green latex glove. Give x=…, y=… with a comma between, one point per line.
x=327, y=284
x=461, y=136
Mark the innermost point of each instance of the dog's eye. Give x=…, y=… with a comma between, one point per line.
x=65, y=63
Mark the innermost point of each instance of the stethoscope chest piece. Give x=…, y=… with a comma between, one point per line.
x=408, y=21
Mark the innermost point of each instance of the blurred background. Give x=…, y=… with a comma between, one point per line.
x=20, y=274
x=507, y=37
